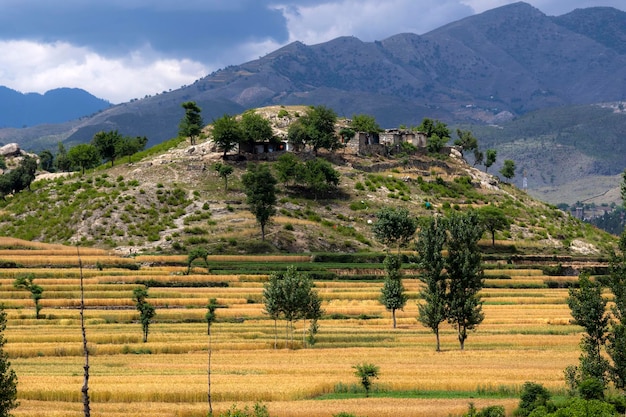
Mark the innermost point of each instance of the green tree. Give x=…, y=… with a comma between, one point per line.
x=616, y=339
x=224, y=171
x=210, y=317
x=588, y=308
x=287, y=167
x=260, y=188
x=319, y=176
x=290, y=295
x=392, y=294
x=508, y=169
x=62, y=163
x=8, y=378
x=46, y=160
x=84, y=156
x=434, y=127
x=533, y=396
x=430, y=244
x=479, y=157
x=466, y=140
x=197, y=253
x=146, y=310
x=366, y=372
x=394, y=226
x=298, y=135
x=255, y=128
x=191, y=124
x=463, y=265
x=25, y=282
x=493, y=219
x=107, y=144
x=364, y=123
x=226, y=133
x=319, y=122
x=491, y=158
x=128, y=146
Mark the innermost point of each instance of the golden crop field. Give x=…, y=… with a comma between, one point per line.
x=526, y=336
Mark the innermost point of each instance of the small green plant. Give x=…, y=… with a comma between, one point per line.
x=366, y=372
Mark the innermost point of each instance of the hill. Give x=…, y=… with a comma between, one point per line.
x=171, y=200
x=18, y=110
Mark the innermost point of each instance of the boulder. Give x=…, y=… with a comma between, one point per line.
x=11, y=149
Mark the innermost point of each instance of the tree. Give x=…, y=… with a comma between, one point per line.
x=588, y=308
x=260, y=188
x=319, y=123
x=197, y=253
x=298, y=135
x=8, y=378
x=508, y=169
x=84, y=156
x=62, y=163
x=226, y=133
x=616, y=339
x=430, y=244
x=364, y=123
x=210, y=319
x=287, y=167
x=365, y=372
x=191, y=124
x=107, y=144
x=128, y=146
x=85, y=388
x=255, y=128
x=463, y=265
x=479, y=157
x=224, y=171
x=493, y=218
x=467, y=141
x=319, y=176
x=46, y=160
x=394, y=226
x=290, y=294
x=146, y=310
x=491, y=158
x=392, y=294
x=434, y=127
x=25, y=282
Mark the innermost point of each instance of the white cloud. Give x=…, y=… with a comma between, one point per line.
x=368, y=20
x=33, y=67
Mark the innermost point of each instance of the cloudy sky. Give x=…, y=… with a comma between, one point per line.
x=124, y=49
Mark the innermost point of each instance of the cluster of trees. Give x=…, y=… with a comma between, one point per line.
x=19, y=178
x=316, y=175
x=104, y=147
x=315, y=129
x=229, y=133
x=290, y=295
x=452, y=282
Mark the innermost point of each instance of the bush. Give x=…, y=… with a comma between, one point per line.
x=533, y=396
x=259, y=410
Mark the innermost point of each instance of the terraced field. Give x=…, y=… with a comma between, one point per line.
x=526, y=336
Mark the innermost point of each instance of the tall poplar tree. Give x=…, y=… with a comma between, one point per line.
x=430, y=244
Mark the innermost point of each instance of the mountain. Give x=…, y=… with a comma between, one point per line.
x=55, y=106
x=491, y=68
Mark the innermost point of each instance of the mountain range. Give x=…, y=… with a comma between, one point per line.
x=18, y=110
x=488, y=69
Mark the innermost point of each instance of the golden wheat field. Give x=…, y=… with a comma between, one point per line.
x=526, y=336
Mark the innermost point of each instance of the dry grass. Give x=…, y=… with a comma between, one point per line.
x=526, y=335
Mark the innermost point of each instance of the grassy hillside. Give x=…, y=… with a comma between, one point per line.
x=169, y=200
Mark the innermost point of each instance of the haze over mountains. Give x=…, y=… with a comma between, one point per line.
x=485, y=69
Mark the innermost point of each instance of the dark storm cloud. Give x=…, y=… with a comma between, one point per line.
x=193, y=30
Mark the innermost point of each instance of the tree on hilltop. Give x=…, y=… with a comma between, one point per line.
x=191, y=124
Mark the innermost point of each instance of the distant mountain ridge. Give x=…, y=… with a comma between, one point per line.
x=55, y=106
